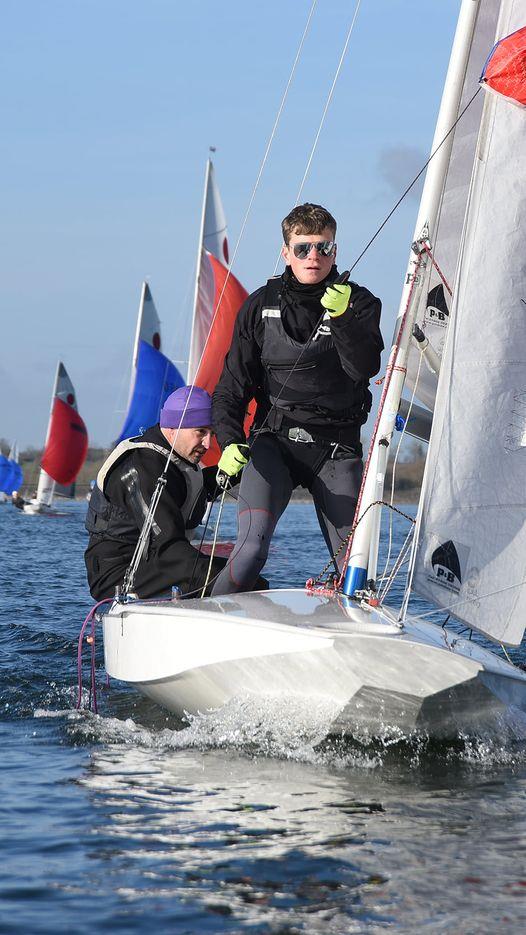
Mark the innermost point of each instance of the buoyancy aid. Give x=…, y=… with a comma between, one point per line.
x=307, y=381
x=104, y=518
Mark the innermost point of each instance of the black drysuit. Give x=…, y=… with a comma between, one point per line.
x=307, y=426
x=169, y=558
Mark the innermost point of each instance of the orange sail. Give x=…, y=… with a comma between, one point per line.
x=213, y=293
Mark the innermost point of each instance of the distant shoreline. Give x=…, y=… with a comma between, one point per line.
x=407, y=486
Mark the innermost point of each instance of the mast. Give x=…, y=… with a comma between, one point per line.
x=192, y=363
x=363, y=557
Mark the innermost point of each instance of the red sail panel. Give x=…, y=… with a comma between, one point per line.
x=67, y=445
x=220, y=339
x=505, y=69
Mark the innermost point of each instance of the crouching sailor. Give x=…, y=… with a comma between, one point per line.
x=120, y=500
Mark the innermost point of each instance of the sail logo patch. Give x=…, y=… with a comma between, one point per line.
x=437, y=312
x=447, y=563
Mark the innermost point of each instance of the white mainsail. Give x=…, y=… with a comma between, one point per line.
x=471, y=544
x=212, y=239
x=434, y=304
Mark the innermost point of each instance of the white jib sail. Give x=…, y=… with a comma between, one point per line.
x=212, y=238
x=63, y=388
x=148, y=329
x=435, y=303
x=471, y=541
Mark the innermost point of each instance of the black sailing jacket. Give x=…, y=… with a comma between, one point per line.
x=356, y=336
x=170, y=558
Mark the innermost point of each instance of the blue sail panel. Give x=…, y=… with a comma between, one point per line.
x=16, y=477
x=156, y=377
x=5, y=470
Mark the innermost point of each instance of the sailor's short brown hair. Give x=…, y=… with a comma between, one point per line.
x=307, y=219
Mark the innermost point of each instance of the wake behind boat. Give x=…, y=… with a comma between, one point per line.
x=377, y=670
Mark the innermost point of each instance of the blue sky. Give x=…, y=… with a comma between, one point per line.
x=108, y=109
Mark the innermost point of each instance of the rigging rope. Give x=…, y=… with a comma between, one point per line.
x=148, y=522
x=395, y=462
x=415, y=180
x=258, y=179
x=325, y=110
x=130, y=574
x=391, y=366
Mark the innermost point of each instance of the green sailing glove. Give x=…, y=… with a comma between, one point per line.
x=233, y=460
x=336, y=299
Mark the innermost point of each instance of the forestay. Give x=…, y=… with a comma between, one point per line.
x=471, y=540
x=435, y=302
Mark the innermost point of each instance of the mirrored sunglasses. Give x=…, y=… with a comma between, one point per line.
x=302, y=250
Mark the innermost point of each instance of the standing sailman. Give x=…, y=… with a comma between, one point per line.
x=305, y=347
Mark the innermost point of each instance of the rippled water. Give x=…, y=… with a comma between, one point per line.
x=242, y=820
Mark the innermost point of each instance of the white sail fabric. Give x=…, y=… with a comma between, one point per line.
x=213, y=239
x=214, y=229
x=471, y=543
x=433, y=312
x=148, y=327
x=204, y=313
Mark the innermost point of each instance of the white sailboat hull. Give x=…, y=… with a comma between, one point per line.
x=36, y=507
x=372, y=676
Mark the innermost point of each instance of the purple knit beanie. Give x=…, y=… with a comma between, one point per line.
x=198, y=412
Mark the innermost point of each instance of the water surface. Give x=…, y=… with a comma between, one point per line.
x=242, y=820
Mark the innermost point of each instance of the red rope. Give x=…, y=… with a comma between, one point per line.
x=437, y=267
x=388, y=375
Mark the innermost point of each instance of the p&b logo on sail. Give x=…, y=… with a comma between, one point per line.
x=446, y=565
x=437, y=312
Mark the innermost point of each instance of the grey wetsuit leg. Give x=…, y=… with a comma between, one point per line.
x=335, y=492
x=264, y=492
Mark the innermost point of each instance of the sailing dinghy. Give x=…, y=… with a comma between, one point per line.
x=66, y=446
x=375, y=670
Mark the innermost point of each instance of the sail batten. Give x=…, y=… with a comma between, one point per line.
x=471, y=548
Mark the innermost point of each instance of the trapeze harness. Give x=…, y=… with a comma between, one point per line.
x=315, y=389
x=103, y=518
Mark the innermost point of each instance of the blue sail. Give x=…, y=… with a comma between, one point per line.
x=11, y=477
x=5, y=470
x=156, y=377
x=17, y=477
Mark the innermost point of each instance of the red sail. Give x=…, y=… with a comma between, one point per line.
x=67, y=444
x=505, y=69
x=220, y=339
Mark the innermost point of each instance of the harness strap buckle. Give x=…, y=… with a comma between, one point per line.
x=297, y=434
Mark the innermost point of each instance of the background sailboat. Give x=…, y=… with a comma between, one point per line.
x=5, y=471
x=66, y=444
x=153, y=376
x=11, y=476
x=216, y=289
